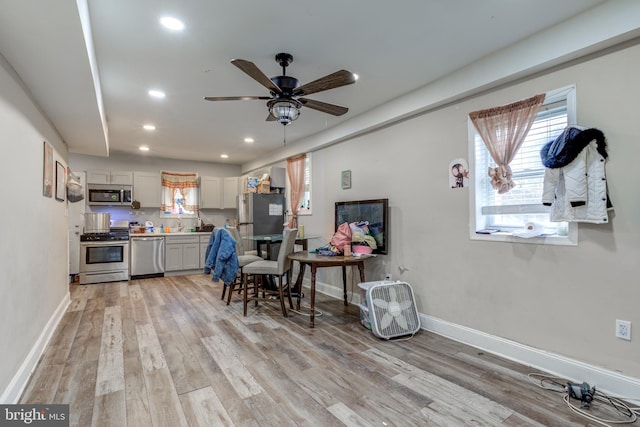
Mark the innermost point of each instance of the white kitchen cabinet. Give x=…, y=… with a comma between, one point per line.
x=218, y=193
x=173, y=257
x=203, y=251
x=230, y=192
x=211, y=192
x=182, y=253
x=278, y=177
x=204, y=241
x=147, y=189
x=191, y=256
x=106, y=176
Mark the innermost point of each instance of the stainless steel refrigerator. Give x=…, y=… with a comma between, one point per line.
x=260, y=214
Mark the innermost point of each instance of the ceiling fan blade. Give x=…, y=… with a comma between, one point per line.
x=337, y=79
x=254, y=72
x=270, y=118
x=333, y=109
x=234, y=98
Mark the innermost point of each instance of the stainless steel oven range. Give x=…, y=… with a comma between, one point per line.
x=104, y=257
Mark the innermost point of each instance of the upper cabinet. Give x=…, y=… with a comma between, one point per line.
x=147, y=189
x=210, y=192
x=218, y=193
x=230, y=192
x=106, y=176
x=278, y=177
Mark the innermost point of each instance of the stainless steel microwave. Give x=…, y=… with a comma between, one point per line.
x=108, y=195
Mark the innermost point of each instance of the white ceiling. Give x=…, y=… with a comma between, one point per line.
x=395, y=48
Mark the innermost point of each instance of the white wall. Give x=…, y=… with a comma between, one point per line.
x=33, y=254
x=563, y=300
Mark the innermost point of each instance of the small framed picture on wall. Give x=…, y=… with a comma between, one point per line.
x=61, y=181
x=47, y=171
x=346, y=179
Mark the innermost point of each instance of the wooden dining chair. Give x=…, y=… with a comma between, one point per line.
x=279, y=268
x=243, y=260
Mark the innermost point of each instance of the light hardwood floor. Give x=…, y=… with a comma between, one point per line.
x=169, y=352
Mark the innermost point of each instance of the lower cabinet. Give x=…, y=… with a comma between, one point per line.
x=182, y=253
x=204, y=241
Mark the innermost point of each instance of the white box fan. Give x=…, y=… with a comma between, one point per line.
x=392, y=309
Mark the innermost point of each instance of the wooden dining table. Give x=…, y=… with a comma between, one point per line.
x=315, y=261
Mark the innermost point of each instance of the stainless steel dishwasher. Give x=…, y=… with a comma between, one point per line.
x=147, y=257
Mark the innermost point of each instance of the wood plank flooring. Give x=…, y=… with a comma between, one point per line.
x=169, y=352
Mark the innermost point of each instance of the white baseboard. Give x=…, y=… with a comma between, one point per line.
x=610, y=382
x=19, y=381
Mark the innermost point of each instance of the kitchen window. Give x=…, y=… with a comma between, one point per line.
x=180, y=194
x=496, y=216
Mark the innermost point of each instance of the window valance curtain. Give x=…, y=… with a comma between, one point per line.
x=295, y=171
x=503, y=130
x=175, y=184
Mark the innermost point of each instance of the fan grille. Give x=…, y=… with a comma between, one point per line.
x=393, y=310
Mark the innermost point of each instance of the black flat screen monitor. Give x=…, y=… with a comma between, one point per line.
x=375, y=212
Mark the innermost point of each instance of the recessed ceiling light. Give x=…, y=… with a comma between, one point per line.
x=224, y=156
x=144, y=148
x=172, y=24
x=157, y=93
x=149, y=127
x=248, y=140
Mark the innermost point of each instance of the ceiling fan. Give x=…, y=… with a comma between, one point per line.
x=286, y=98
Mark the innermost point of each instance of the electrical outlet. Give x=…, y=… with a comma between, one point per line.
x=623, y=329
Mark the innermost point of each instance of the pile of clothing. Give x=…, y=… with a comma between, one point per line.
x=360, y=234
x=355, y=233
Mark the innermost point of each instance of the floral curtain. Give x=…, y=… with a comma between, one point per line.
x=503, y=130
x=295, y=171
x=179, y=192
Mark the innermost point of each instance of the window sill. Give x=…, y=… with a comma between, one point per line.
x=507, y=237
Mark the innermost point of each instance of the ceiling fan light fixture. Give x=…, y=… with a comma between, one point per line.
x=284, y=110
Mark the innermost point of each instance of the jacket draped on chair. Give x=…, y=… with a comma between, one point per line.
x=221, y=256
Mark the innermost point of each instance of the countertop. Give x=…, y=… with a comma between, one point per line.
x=183, y=233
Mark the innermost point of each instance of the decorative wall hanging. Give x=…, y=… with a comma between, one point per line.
x=47, y=170
x=61, y=182
x=458, y=173
x=346, y=179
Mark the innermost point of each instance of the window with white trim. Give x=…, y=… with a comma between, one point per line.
x=496, y=216
x=180, y=194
